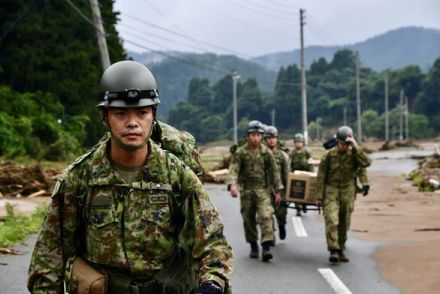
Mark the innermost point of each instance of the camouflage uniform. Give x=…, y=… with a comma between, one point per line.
x=138, y=229
x=337, y=189
x=282, y=161
x=299, y=160
x=257, y=176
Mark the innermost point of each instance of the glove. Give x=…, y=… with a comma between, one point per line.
x=209, y=287
x=365, y=190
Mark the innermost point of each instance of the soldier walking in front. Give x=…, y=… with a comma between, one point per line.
x=282, y=161
x=254, y=170
x=127, y=216
x=336, y=191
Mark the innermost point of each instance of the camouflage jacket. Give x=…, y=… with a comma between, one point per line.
x=282, y=161
x=299, y=161
x=254, y=169
x=180, y=143
x=137, y=229
x=340, y=169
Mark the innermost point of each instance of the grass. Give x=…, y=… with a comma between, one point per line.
x=16, y=227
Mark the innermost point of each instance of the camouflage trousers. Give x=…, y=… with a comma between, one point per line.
x=257, y=202
x=280, y=212
x=338, y=206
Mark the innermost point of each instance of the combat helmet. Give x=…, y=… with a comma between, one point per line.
x=128, y=84
x=270, y=131
x=255, y=126
x=343, y=133
x=298, y=138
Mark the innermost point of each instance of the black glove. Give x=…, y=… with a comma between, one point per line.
x=365, y=190
x=209, y=287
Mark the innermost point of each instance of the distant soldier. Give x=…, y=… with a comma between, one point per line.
x=336, y=191
x=282, y=160
x=300, y=160
x=253, y=168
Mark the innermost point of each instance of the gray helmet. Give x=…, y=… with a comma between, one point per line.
x=255, y=126
x=298, y=138
x=270, y=131
x=343, y=133
x=128, y=84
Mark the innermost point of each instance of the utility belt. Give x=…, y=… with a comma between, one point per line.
x=99, y=279
x=121, y=283
x=254, y=183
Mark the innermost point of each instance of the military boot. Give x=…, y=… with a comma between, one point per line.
x=342, y=257
x=254, y=250
x=267, y=255
x=334, y=255
x=282, y=232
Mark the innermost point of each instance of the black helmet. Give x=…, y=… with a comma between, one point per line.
x=270, y=131
x=343, y=133
x=128, y=84
x=298, y=138
x=255, y=126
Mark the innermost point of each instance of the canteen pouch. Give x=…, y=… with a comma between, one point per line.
x=87, y=279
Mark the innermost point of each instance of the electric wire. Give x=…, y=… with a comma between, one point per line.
x=17, y=20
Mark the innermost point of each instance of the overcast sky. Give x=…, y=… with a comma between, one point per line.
x=254, y=27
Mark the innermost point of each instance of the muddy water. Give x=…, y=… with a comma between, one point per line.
x=396, y=162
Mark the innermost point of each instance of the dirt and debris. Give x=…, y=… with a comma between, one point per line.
x=427, y=175
x=17, y=181
x=391, y=145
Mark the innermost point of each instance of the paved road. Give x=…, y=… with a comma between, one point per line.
x=295, y=268
x=298, y=260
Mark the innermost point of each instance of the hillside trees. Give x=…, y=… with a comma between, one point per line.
x=53, y=50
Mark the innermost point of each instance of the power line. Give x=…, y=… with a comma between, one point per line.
x=203, y=66
x=261, y=12
x=186, y=37
x=158, y=36
x=282, y=4
x=239, y=20
x=17, y=20
x=322, y=29
x=83, y=16
x=172, y=23
x=275, y=10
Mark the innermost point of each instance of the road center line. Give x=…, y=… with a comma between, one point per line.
x=298, y=227
x=335, y=283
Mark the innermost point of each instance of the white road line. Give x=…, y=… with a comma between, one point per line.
x=335, y=283
x=298, y=227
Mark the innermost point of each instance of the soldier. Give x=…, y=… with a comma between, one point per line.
x=282, y=161
x=337, y=189
x=300, y=160
x=253, y=168
x=128, y=212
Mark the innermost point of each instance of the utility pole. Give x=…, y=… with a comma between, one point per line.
x=345, y=115
x=303, y=80
x=100, y=34
x=401, y=116
x=273, y=116
x=387, y=122
x=358, y=99
x=406, y=119
x=235, y=77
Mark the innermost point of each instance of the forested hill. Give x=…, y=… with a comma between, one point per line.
x=173, y=75
x=394, y=49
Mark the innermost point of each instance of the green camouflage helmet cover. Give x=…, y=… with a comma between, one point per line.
x=270, y=131
x=343, y=133
x=128, y=84
x=298, y=138
x=255, y=126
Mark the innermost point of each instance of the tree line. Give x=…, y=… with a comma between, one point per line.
x=331, y=88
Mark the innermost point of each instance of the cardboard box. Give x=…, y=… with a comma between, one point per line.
x=301, y=187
